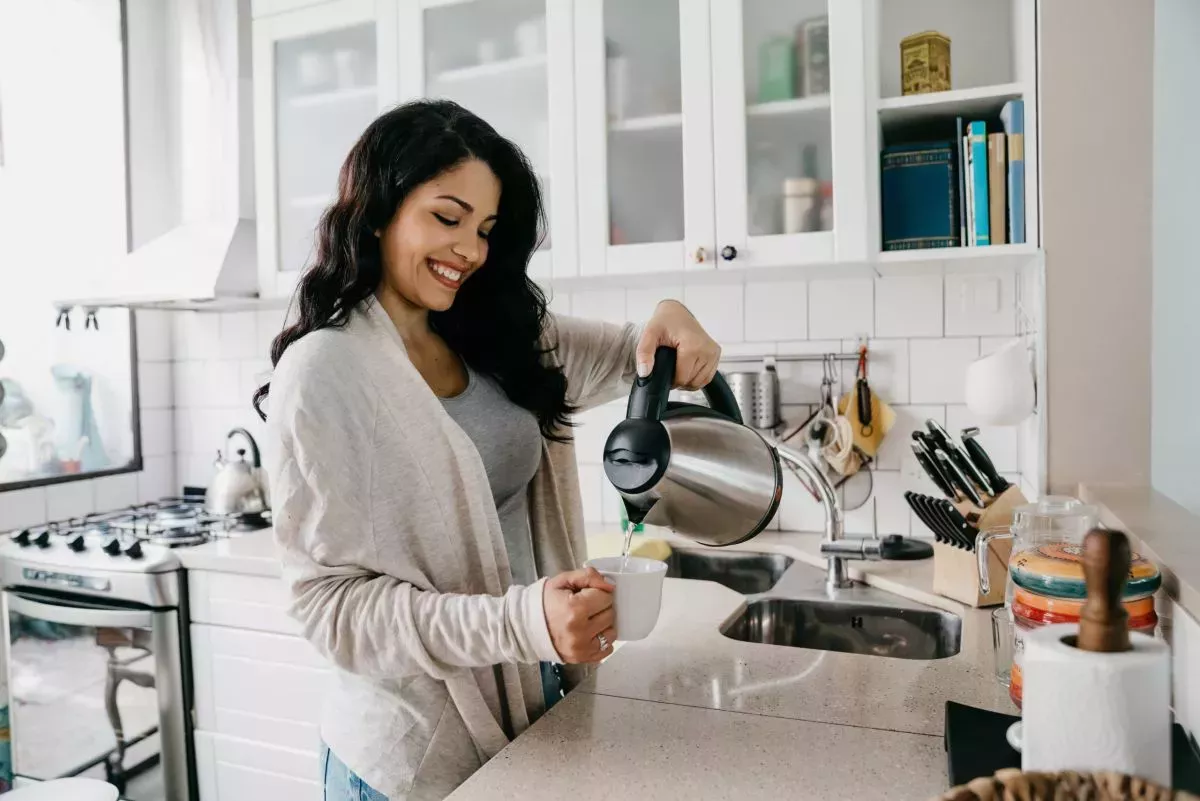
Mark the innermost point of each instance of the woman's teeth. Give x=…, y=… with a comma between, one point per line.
x=450, y=274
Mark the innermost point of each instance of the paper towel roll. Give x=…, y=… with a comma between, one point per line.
x=1088, y=711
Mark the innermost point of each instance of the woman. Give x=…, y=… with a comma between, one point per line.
x=421, y=470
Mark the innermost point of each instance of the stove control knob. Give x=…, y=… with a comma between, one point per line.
x=134, y=551
x=112, y=547
x=76, y=543
x=42, y=540
x=21, y=537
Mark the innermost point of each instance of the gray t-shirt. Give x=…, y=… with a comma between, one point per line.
x=509, y=440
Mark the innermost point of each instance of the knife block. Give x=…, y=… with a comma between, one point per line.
x=956, y=571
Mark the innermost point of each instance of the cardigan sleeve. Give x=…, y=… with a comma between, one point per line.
x=386, y=625
x=598, y=358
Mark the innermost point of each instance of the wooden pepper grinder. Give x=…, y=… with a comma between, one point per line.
x=1103, y=621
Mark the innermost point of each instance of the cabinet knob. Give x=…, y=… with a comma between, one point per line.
x=729, y=253
x=700, y=255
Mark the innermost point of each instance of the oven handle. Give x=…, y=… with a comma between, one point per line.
x=78, y=616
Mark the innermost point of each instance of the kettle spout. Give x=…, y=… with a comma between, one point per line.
x=637, y=507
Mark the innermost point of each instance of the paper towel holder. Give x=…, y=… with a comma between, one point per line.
x=1103, y=620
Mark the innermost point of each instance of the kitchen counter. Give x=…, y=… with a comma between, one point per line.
x=690, y=713
x=251, y=554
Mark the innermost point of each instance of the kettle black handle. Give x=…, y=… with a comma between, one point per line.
x=648, y=398
x=255, y=458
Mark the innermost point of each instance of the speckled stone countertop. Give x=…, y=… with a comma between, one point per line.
x=688, y=713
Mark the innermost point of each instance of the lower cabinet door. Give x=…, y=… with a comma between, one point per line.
x=233, y=769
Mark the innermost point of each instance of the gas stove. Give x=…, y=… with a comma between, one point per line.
x=138, y=538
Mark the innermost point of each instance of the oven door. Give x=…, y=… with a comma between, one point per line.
x=96, y=689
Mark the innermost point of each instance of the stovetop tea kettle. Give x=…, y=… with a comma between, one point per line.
x=694, y=469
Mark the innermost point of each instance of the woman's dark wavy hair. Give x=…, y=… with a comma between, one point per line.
x=498, y=315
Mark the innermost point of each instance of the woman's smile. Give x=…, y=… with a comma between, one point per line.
x=445, y=274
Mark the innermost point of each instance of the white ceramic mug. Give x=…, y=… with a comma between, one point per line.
x=1000, y=387
x=637, y=596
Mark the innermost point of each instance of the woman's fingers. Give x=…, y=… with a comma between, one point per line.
x=582, y=579
x=602, y=620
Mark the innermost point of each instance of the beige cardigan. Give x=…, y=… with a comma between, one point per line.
x=392, y=548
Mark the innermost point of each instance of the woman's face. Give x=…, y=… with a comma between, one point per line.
x=438, y=236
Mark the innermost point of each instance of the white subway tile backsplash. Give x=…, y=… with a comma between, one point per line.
x=193, y=470
x=155, y=380
x=239, y=336
x=189, y=382
x=158, y=435
x=559, y=302
x=799, y=510
x=268, y=323
x=116, y=492
x=841, y=308
x=22, y=508
x=718, y=307
x=938, y=369
x=896, y=451
x=1000, y=442
x=885, y=512
x=610, y=502
x=252, y=374
x=776, y=310
x=988, y=345
x=592, y=429
x=73, y=499
x=222, y=382
x=980, y=305
x=908, y=306
x=157, y=479
x=599, y=304
x=154, y=335
x=800, y=382
x=203, y=332
x=641, y=303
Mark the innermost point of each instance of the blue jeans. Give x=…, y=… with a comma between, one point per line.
x=343, y=784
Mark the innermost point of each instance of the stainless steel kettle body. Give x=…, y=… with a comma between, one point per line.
x=694, y=469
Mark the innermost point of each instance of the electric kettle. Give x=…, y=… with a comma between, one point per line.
x=694, y=469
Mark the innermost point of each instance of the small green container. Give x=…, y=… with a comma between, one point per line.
x=777, y=69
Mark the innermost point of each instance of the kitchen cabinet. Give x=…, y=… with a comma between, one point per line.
x=232, y=769
x=510, y=62
x=322, y=73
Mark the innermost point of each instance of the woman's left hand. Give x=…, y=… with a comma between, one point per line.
x=697, y=353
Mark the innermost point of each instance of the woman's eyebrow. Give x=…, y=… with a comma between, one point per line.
x=467, y=207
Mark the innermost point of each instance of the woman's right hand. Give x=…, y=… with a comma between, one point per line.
x=579, y=606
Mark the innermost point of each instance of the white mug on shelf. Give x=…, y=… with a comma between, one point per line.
x=1000, y=387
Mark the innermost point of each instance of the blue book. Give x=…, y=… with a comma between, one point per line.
x=1012, y=119
x=977, y=144
x=918, y=196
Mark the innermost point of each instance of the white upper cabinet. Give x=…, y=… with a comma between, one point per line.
x=644, y=121
x=322, y=73
x=788, y=143
x=511, y=63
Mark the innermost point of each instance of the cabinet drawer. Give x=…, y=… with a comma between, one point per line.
x=245, y=602
x=258, y=686
x=233, y=769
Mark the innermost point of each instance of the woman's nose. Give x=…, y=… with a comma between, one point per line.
x=468, y=249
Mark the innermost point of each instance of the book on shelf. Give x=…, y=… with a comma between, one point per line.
x=996, y=183
x=960, y=143
x=1012, y=119
x=977, y=178
x=919, y=196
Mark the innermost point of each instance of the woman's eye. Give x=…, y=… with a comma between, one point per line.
x=446, y=221
x=485, y=235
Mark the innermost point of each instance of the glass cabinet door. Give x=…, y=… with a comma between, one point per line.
x=775, y=71
x=509, y=62
x=643, y=81
x=317, y=88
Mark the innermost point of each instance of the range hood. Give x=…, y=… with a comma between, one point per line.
x=190, y=161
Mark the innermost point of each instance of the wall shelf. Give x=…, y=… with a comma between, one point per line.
x=796, y=105
x=493, y=69
x=654, y=122
x=965, y=102
x=322, y=99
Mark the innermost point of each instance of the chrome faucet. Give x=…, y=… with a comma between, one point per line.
x=835, y=547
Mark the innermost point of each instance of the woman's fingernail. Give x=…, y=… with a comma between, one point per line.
x=643, y=369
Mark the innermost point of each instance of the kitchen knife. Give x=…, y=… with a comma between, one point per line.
x=940, y=477
x=957, y=478
x=919, y=511
x=939, y=521
x=980, y=458
x=932, y=470
x=942, y=439
x=959, y=523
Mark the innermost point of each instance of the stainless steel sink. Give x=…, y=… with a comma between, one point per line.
x=741, y=571
x=887, y=628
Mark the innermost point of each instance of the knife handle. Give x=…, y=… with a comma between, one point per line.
x=958, y=478
x=932, y=470
x=982, y=461
x=941, y=437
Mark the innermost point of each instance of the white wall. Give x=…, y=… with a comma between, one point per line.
x=1175, y=426
x=921, y=337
